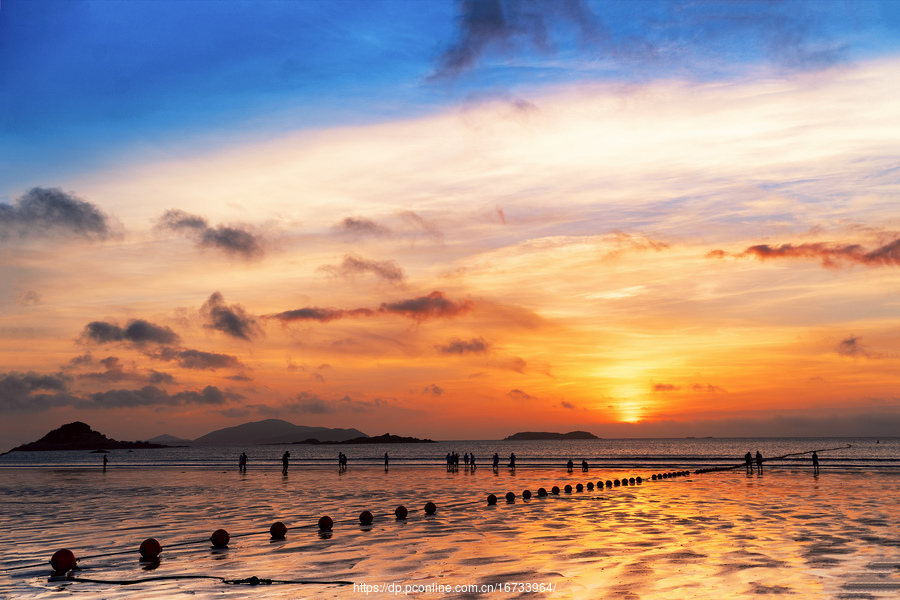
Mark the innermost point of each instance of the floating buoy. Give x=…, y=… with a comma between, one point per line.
x=510, y=497
x=526, y=495
x=492, y=499
x=616, y=482
x=631, y=481
x=608, y=483
x=653, y=477
x=219, y=538
x=555, y=490
x=590, y=485
x=400, y=512
x=63, y=560
x=624, y=481
x=277, y=530
x=579, y=488
x=366, y=518
x=639, y=480
x=430, y=508
x=150, y=549
x=568, y=488
x=542, y=492
x=326, y=523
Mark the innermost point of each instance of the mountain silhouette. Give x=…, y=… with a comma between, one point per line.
x=275, y=431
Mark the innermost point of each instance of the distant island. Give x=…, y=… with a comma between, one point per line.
x=269, y=431
x=387, y=438
x=547, y=435
x=80, y=436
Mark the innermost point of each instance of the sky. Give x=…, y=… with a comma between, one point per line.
x=454, y=220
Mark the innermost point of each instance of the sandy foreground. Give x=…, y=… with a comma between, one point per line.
x=782, y=534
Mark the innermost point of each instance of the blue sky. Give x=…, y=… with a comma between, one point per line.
x=84, y=82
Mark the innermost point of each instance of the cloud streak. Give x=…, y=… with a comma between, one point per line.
x=435, y=305
x=352, y=266
x=231, y=320
x=232, y=240
x=832, y=255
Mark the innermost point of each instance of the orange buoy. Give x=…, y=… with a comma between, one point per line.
x=277, y=530
x=150, y=548
x=631, y=481
x=555, y=490
x=639, y=480
x=608, y=483
x=325, y=523
x=63, y=560
x=492, y=499
x=366, y=518
x=526, y=495
x=579, y=488
x=568, y=488
x=542, y=492
x=590, y=485
x=401, y=512
x=430, y=508
x=510, y=497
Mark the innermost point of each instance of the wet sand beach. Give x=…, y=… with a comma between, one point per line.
x=785, y=533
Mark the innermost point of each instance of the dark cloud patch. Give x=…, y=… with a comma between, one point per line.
x=233, y=240
x=137, y=331
x=309, y=403
x=319, y=314
x=852, y=347
x=362, y=227
x=460, y=346
x=352, y=266
x=831, y=255
x=153, y=396
x=665, y=387
x=508, y=26
x=159, y=378
x=33, y=392
x=44, y=212
x=520, y=396
x=567, y=405
x=197, y=359
x=239, y=377
x=433, y=306
x=115, y=371
x=232, y=320
x=79, y=361
x=433, y=390
x=513, y=363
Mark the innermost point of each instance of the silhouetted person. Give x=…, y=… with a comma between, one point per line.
x=449, y=462
x=569, y=465
x=105, y=460
x=512, y=461
x=472, y=461
x=242, y=463
x=748, y=458
x=466, y=460
x=759, y=462
x=496, y=462
x=285, y=458
x=386, y=460
x=584, y=466
x=815, y=459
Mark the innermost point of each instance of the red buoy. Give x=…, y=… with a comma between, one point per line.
x=325, y=523
x=400, y=512
x=366, y=518
x=278, y=530
x=430, y=508
x=63, y=560
x=150, y=549
x=219, y=538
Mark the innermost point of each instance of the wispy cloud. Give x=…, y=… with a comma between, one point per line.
x=353, y=266
x=137, y=331
x=832, y=255
x=460, y=346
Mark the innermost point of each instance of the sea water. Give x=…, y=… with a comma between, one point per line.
x=728, y=534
